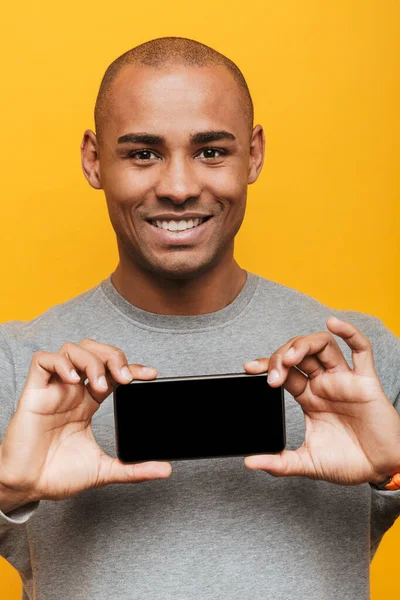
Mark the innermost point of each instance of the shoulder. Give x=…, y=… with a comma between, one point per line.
x=53, y=323
x=298, y=313
x=294, y=304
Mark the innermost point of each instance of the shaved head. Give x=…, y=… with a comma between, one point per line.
x=174, y=152
x=163, y=54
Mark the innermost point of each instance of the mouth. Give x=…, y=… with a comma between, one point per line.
x=172, y=232
x=178, y=225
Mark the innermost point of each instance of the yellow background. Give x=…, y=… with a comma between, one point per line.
x=323, y=217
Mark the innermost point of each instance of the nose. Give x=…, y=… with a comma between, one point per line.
x=178, y=181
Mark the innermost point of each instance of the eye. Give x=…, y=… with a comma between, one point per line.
x=143, y=155
x=212, y=152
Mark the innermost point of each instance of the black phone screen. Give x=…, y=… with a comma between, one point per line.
x=198, y=417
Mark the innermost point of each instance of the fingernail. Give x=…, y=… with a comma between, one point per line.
x=253, y=363
x=148, y=370
x=74, y=374
x=273, y=376
x=126, y=374
x=290, y=352
x=164, y=469
x=102, y=382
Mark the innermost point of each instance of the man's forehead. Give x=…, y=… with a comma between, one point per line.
x=195, y=98
x=135, y=78
x=175, y=103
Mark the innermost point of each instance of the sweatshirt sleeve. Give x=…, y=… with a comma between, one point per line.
x=385, y=505
x=20, y=515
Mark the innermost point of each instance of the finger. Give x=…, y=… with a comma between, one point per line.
x=110, y=356
x=114, y=471
x=89, y=367
x=261, y=365
x=322, y=346
x=139, y=372
x=116, y=362
x=258, y=365
x=44, y=365
x=286, y=463
x=277, y=371
x=361, y=347
x=293, y=380
x=104, y=368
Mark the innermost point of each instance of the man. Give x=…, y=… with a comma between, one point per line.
x=174, y=151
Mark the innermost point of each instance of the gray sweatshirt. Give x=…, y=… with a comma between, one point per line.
x=214, y=529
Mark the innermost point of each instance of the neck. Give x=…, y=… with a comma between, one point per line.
x=205, y=293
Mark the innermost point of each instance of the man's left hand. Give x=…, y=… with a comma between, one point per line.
x=352, y=430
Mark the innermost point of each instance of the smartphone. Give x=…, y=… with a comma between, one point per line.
x=210, y=416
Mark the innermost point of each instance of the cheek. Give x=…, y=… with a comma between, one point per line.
x=229, y=181
x=125, y=191
x=127, y=185
x=228, y=186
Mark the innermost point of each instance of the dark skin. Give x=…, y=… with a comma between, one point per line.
x=200, y=163
x=196, y=160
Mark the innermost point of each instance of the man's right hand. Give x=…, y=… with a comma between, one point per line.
x=49, y=451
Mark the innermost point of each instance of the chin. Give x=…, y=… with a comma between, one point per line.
x=179, y=273
x=180, y=269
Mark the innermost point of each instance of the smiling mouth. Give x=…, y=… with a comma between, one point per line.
x=179, y=224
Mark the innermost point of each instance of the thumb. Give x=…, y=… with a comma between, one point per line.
x=287, y=462
x=114, y=471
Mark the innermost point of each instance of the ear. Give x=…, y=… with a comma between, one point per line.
x=257, y=151
x=90, y=159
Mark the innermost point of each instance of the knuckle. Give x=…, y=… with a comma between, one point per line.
x=66, y=347
x=39, y=355
x=366, y=343
x=87, y=342
x=66, y=361
x=95, y=365
x=117, y=353
x=365, y=340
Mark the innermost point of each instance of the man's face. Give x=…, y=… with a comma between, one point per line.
x=175, y=161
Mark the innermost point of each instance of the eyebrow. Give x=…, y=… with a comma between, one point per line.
x=202, y=137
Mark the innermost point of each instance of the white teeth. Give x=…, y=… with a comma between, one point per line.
x=178, y=225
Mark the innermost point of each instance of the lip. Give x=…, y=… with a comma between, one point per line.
x=178, y=238
x=175, y=217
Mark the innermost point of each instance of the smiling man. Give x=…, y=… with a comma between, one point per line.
x=174, y=152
